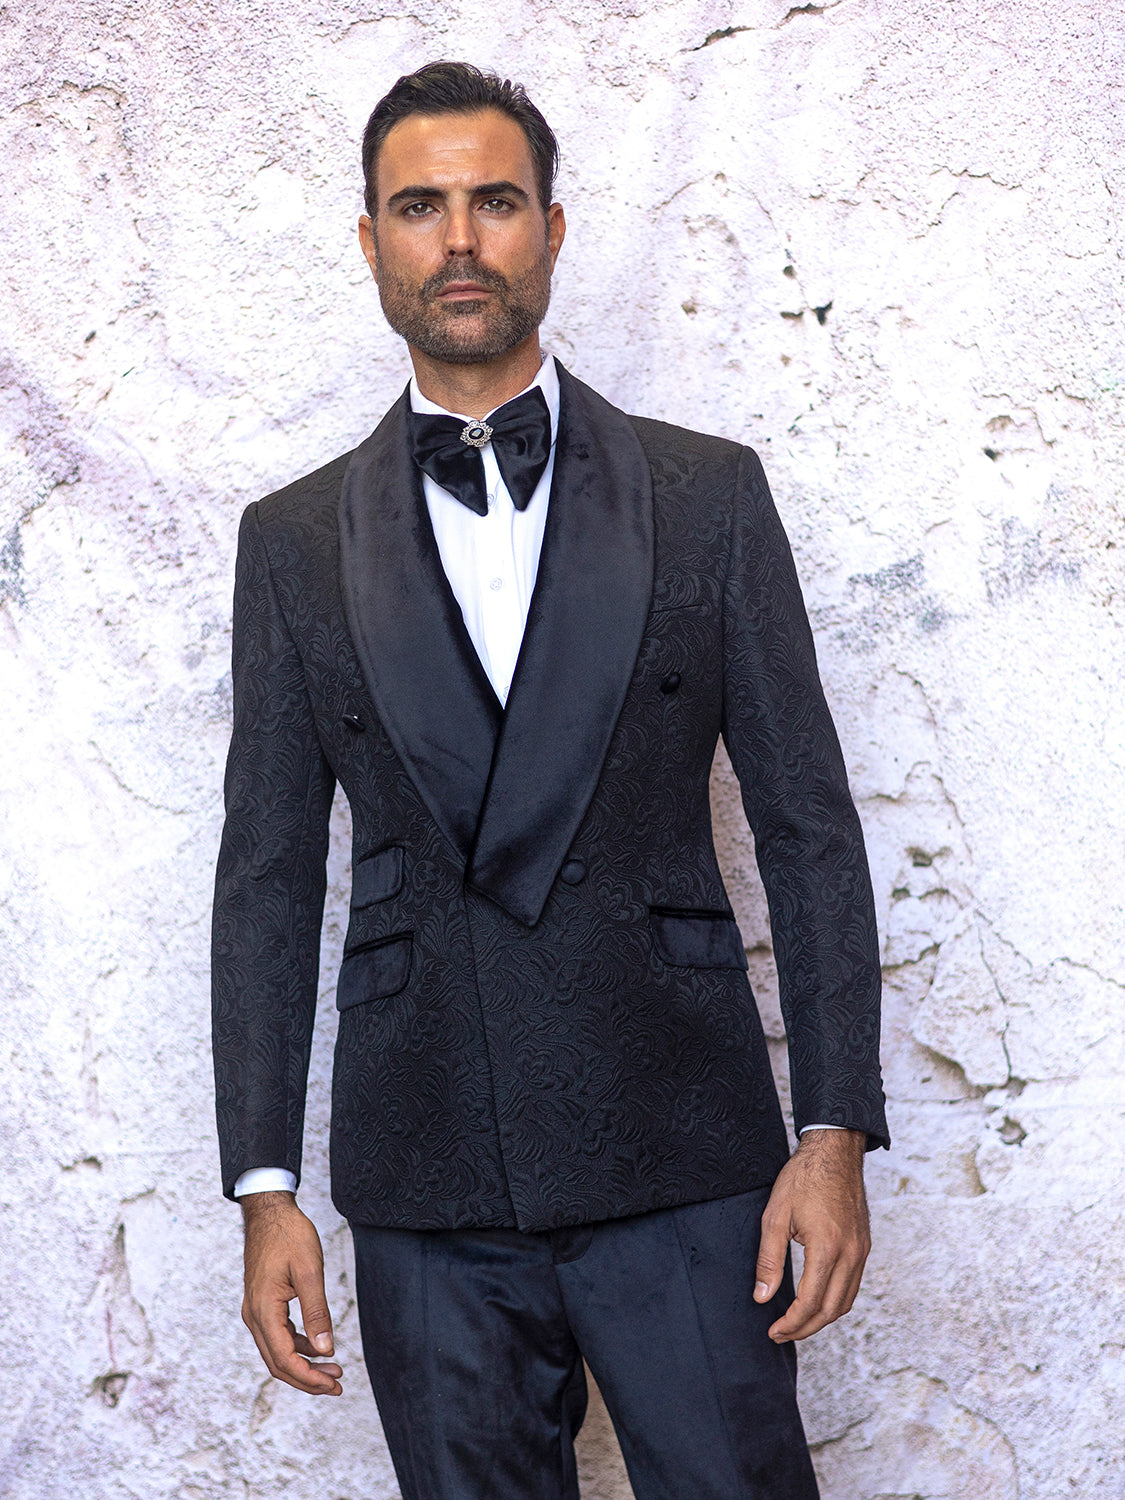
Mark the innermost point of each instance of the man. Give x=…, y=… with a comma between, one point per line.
x=512, y=624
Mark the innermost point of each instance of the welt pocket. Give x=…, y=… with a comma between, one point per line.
x=691, y=937
x=665, y=609
x=377, y=877
x=374, y=971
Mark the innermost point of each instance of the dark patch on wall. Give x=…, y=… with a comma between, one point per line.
x=895, y=597
x=1012, y=1132
x=11, y=567
x=1025, y=561
x=933, y=618
x=109, y=1388
x=896, y=578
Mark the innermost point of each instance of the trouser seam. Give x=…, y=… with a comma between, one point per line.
x=731, y=1450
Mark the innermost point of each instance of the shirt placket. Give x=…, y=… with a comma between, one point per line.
x=501, y=602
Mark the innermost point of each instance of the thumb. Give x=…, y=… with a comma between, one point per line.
x=772, y=1251
x=315, y=1316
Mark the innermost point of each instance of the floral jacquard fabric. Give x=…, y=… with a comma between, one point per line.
x=606, y=1058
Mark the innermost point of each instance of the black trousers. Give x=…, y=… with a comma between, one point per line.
x=475, y=1339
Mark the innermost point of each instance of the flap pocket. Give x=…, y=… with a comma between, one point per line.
x=374, y=971
x=377, y=877
x=697, y=939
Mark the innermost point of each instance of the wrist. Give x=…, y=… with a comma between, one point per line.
x=841, y=1145
x=273, y=1204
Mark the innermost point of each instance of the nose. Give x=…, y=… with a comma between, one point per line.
x=460, y=232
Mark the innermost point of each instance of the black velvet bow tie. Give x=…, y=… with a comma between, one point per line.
x=448, y=449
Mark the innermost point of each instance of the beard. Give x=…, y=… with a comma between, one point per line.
x=465, y=332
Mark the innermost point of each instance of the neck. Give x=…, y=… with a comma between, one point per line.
x=478, y=389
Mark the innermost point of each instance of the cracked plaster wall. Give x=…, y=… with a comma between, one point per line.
x=880, y=243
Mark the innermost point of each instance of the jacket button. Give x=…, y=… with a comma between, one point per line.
x=353, y=721
x=573, y=871
x=671, y=683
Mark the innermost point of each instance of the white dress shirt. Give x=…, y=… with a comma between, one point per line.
x=491, y=562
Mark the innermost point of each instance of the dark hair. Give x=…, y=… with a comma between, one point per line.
x=452, y=88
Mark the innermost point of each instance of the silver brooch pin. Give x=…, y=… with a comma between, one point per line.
x=476, y=434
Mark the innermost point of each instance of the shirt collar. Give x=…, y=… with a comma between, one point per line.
x=547, y=380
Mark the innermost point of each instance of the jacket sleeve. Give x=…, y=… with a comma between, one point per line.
x=809, y=844
x=270, y=883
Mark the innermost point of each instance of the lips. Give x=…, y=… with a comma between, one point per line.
x=464, y=289
x=447, y=285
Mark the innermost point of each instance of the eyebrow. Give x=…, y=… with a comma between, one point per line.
x=482, y=190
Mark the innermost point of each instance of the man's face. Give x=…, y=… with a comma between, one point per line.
x=460, y=247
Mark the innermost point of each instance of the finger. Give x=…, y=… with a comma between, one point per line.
x=276, y=1339
x=811, y=1289
x=309, y=1286
x=772, y=1250
x=835, y=1302
x=329, y=1366
x=306, y=1348
x=816, y=1306
x=314, y=1377
x=847, y=1276
x=267, y=1318
x=854, y=1283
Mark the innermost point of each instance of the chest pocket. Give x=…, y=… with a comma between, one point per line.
x=691, y=938
x=377, y=877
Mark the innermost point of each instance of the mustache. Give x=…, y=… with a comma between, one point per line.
x=467, y=270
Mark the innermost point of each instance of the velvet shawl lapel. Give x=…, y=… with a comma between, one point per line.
x=509, y=788
x=432, y=694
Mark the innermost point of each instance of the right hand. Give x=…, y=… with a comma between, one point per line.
x=284, y=1261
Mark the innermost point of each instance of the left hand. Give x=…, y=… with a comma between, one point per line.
x=817, y=1200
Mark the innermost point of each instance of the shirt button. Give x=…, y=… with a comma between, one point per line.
x=497, y=583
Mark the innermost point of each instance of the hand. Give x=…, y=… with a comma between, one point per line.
x=284, y=1260
x=817, y=1200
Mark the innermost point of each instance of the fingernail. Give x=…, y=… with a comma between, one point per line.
x=323, y=1342
x=761, y=1291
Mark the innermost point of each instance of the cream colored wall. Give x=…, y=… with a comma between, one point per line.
x=189, y=324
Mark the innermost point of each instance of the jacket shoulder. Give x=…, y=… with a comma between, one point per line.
x=662, y=440
x=312, y=493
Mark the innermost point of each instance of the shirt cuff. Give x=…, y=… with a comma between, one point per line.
x=802, y=1131
x=265, y=1180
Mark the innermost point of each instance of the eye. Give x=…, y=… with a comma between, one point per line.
x=417, y=210
x=496, y=205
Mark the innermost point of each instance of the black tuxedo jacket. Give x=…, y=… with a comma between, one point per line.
x=545, y=1017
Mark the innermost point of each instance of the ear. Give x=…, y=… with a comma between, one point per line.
x=367, y=243
x=556, y=231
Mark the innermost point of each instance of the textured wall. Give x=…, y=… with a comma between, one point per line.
x=876, y=241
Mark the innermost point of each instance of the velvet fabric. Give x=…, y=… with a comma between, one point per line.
x=698, y=939
x=377, y=876
x=474, y=1342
